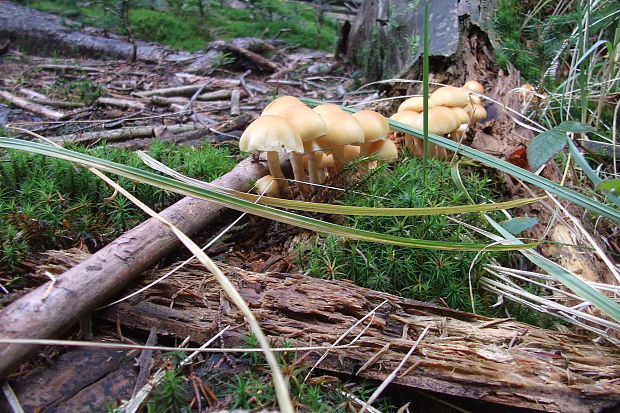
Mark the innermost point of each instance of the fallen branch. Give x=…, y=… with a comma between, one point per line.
x=122, y=103
x=31, y=106
x=130, y=132
x=91, y=283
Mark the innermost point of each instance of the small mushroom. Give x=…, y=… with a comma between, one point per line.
x=342, y=129
x=441, y=121
x=270, y=134
x=267, y=186
x=327, y=109
x=450, y=96
x=416, y=104
x=309, y=125
x=412, y=143
x=279, y=104
x=375, y=125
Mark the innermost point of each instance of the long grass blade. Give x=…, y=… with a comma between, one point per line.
x=569, y=280
x=338, y=209
x=244, y=205
x=520, y=173
x=425, y=90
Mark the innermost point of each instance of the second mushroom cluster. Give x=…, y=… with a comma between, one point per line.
x=325, y=137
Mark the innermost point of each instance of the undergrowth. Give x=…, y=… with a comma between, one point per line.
x=48, y=203
x=422, y=274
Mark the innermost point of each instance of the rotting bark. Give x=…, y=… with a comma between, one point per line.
x=49, y=311
x=501, y=361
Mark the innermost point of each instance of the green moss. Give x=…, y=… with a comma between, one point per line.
x=182, y=27
x=422, y=274
x=50, y=203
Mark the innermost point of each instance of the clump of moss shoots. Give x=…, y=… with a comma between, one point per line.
x=48, y=203
x=422, y=274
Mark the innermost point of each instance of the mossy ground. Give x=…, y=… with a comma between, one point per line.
x=47, y=203
x=183, y=28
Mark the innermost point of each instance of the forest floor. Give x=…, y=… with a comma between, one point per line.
x=213, y=97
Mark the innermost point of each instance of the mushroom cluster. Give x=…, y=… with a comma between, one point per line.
x=314, y=139
x=322, y=139
x=451, y=111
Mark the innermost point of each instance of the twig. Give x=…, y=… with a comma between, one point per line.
x=374, y=358
x=346, y=333
x=145, y=360
x=31, y=106
x=97, y=344
x=11, y=397
x=389, y=378
x=234, y=103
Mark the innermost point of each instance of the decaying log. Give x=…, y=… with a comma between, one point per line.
x=50, y=34
x=31, y=106
x=495, y=360
x=48, y=312
x=130, y=132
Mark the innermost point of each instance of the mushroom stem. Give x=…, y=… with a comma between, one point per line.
x=273, y=161
x=313, y=168
x=338, y=154
x=297, y=162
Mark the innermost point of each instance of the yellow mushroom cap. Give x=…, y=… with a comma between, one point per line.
x=308, y=124
x=478, y=112
x=384, y=150
x=408, y=117
x=460, y=113
x=376, y=126
x=327, y=109
x=416, y=104
x=450, y=96
x=351, y=152
x=441, y=121
x=267, y=185
x=279, y=104
x=270, y=134
x=342, y=129
x=474, y=86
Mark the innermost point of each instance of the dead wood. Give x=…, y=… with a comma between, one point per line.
x=248, y=59
x=58, y=103
x=122, y=103
x=189, y=90
x=216, y=133
x=48, y=312
x=31, y=106
x=501, y=361
x=130, y=132
x=49, y=34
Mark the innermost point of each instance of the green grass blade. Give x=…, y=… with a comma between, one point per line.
x=520, y=173
x=337, y=209
x=381, y=212
x=425, y=71
x=230, y=201
x=569, y=280
x=585, y=167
